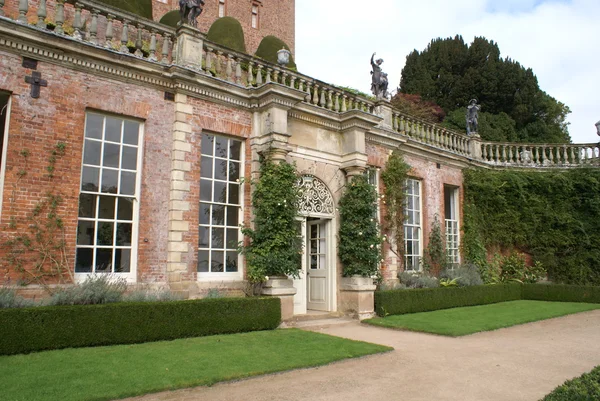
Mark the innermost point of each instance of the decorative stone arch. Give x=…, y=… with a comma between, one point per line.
x=314, y=198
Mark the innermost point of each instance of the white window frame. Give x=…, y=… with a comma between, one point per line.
x=224, y=276
x=131, y=276
x=222, y=9
x=4, y=150
x=373, y=178
x=452, y=227
x=255, y=17
x=415, y=227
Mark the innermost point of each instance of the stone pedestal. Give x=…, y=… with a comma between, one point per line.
x=283, y=288
x=383, y=109
x=475, y=146
x=357, y=296
x=189, y=47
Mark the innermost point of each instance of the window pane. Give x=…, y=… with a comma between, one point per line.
x=122, y=260
x=220, y=192
x=113, y=129
x=83, y=260
x=109, y=181
x=89, y=179
x=218, y=215
x=85, y=233
x=203, y=237
x=235, y=148
x=91, y=154
x=127, y=183
x=234, y=171
x=124, y=234
x=203, y=261
x=218, y=238
x=221, y=146
x=93, y=126
x=217, y=262
x=204, y=213
x=207, y=144
x=105, y=233
x=107, y=207
x=206, y=167
x=104, y=260
x=87, y=205
x=111, y=155
x=131, y=133
x=129, y=158
x=220, y=169
x=232, y=216
x=125, y=210
x=234, y=194
x=206, y=190
x=232, y=238
x=231, y=264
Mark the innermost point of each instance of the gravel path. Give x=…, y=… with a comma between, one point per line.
x=522, y=363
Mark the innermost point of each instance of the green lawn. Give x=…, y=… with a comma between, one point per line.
x=462, y=321
x=107, y=373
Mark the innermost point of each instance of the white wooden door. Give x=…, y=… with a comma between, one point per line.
x=317, y=265
x=300, y=283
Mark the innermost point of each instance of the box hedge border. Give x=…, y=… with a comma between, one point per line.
x=56, y=327
x=399, y=302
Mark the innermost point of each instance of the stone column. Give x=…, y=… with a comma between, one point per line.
x=178, y=273
x=357, y=296
x=283, y=288
x=190, y=42
x=475, y=146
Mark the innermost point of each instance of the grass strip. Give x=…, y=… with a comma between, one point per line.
x=468, y=320
x=108, y=373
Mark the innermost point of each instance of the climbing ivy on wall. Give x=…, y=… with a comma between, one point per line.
x=554, y=216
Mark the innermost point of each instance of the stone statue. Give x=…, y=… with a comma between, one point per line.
x=189, y=10
x=473, y=117
x=598, y=128
x=379, y=79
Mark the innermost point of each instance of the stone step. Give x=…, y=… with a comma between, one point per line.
x=316, y=320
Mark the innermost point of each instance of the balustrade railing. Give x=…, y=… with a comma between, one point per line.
x=539, y=154
x=431, y=134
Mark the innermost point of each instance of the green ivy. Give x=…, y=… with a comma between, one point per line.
x=394, y=179
x=359, y=239
x=553, y=216
x=274, y=248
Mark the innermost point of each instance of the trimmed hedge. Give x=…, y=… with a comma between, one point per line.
x=561, y=293
x=228, y=31
x=268, y=48
x=171, y=18
x=55, y=327
x=143, y=8
x=584, y=388
x=399, y=302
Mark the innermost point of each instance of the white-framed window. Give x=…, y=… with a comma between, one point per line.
x=221, y=8
x=413, y=242
x=452, y=226
x=373, y=177
x=109, y=196
x=255, y=16
x=221, y=168
x=4, y=120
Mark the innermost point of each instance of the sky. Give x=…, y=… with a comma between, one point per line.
x=558, y=40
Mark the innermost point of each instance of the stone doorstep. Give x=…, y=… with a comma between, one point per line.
x=317, y=322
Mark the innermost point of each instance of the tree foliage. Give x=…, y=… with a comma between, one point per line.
x=450, y=73
x=553, y=216
x=417, y=107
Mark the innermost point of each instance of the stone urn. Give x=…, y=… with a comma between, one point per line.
x=283, y=288
x=283, y=57
x=358, y=296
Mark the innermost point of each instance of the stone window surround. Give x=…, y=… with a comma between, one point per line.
x=417, y=226
x=222, y=8
x=130, y=276
x=4, y=113
x=224, y=276
x=255, y=14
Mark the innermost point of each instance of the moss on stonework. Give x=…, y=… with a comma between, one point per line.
x=143, y=8
x=268, y=48
x=171, y=18
x=228, y=32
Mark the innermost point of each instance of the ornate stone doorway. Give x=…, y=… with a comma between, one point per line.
x=316, y=287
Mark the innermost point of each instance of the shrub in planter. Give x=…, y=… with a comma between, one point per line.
x=411, y=280
x=465, y=275
x=96, y=289
x=10, y=299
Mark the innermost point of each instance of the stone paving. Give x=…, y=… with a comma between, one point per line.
x=521, y=363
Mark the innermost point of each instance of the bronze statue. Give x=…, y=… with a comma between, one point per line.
x=189, y=10
x=379, y=80
x=473, y=117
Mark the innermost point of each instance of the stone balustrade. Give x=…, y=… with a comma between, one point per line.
x=533, y=155
x=431, y=134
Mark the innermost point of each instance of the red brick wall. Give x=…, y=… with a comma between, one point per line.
x=59, y=115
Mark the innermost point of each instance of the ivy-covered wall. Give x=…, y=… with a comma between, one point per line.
x=554, y=216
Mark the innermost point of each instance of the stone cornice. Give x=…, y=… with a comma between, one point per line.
x=273, y=94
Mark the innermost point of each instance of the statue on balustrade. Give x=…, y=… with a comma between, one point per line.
x=189, y=10
x=598, y=128
x=473, y=117
x=379, y=79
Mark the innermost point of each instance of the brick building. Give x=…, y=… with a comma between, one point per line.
x=139, y=136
